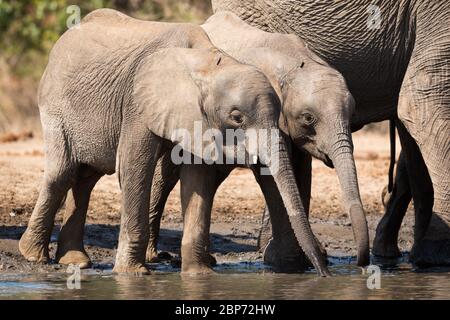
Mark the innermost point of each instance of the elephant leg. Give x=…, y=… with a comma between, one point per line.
x=302, y=170
x=138, y=153
x=198, y=186
x=424, y=110
x=419, y=183
x=421, y=189
x=385, y=242
x=58, y=178
x=428, y=247
x=165, y=178
x=221, y=174
x=70, y=241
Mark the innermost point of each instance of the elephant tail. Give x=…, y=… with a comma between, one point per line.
x=393, y=152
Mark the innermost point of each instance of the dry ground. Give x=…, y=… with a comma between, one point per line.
x=236, y=214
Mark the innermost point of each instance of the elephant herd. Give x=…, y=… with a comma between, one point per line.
x=117, y=91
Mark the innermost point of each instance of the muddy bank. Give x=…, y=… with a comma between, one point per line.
x=236, y=214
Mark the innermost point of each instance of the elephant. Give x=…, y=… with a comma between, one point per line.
x=112, y=97
x=396, y=199
x=395, y=57
x=316, y=108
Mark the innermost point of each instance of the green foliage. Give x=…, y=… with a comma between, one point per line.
x=29, y=28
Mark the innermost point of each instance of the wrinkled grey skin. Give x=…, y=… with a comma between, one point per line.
x=425, y=252
x=402, y=67
x=114, y=91
x=395, y=203
x=317, y=107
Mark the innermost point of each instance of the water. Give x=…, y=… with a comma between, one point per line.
x=234, y=281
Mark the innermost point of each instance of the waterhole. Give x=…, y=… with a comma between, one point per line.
x=234, y=281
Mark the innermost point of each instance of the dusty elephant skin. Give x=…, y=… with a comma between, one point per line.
x=400, y=66
x=426, y=252
x=316, y=107
x=117, y=87
x=395, y=203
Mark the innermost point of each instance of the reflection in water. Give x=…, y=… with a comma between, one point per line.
x=234, y=283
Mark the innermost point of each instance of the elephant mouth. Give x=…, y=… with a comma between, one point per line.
x=311, y=148
x=320, y=155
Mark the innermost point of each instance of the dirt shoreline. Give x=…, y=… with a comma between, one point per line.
x=236, y=214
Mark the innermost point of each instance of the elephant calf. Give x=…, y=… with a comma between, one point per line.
x=316, y=111
x=114, y=92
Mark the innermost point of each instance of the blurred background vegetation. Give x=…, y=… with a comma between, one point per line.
x=29, y=28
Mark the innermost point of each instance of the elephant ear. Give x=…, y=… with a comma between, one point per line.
x=168, y=93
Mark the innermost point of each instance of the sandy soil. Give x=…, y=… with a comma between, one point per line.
x=236, y=214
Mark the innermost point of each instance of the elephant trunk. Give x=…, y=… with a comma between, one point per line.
x=280, y=168
x=341, y=153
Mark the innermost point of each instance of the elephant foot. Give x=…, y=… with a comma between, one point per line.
x=138, y=269
x=430, y=253
x=197, y=264
x=285, y=261
x=33, y=249
x=385, y=249
x=75, y=257
x=152, y=255
x=176, y=261
x=193, y=269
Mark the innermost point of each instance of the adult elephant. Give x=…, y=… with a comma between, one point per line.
x=396, y=198
x=394, y=53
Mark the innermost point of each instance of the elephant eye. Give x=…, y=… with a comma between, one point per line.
x=308, y=118
x=236, y=116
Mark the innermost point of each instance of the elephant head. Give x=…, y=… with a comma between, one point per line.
x=176, y=88
x=316, y=103
x=317, y=107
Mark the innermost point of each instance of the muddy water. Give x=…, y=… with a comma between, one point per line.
x=234, y=281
